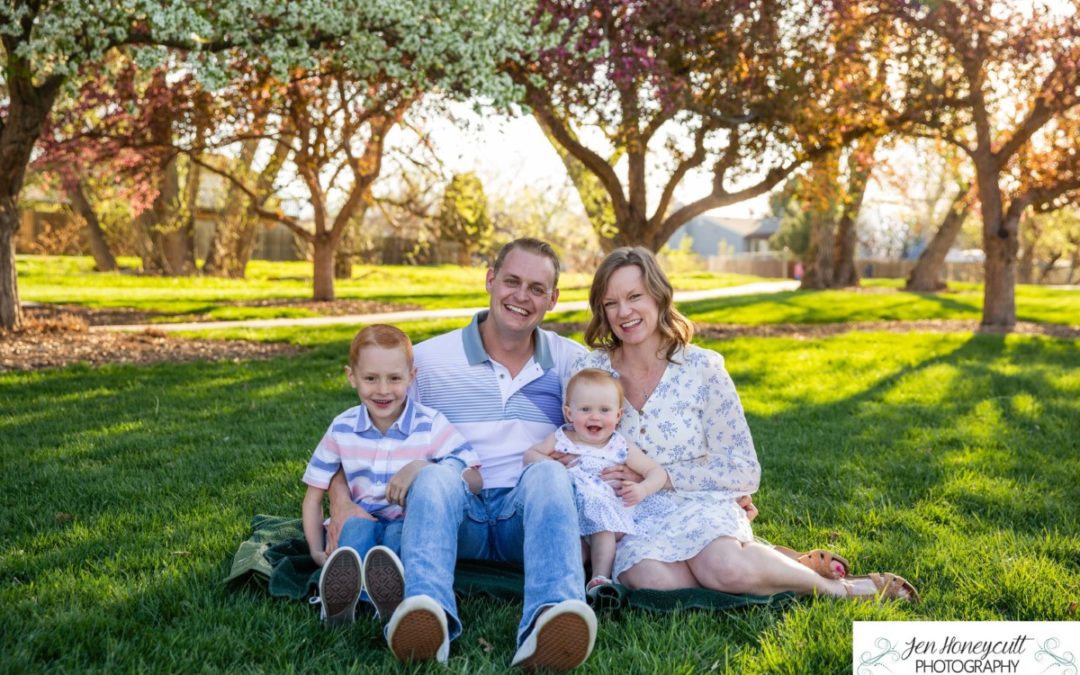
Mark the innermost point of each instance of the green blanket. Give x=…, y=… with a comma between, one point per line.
x=276, y=557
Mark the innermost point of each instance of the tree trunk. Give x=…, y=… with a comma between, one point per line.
x=818, y=272
x=1000, y=243
x=104, y=260
x=926, y=275
x=11, y=317
x=235, y=234
x=323, y=267
x=860, y=164
x=1048, y=266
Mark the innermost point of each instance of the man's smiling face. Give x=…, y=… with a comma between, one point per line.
x=521, y=292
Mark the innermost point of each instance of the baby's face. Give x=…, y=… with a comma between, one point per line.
x=594, y=411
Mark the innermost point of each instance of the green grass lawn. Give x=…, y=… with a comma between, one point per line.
x=951, y=459
x=71, y=280
x=880, y=302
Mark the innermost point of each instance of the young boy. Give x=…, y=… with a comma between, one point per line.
x=380, y=446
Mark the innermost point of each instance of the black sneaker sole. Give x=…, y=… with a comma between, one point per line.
x=384, y=582
x=339, y=589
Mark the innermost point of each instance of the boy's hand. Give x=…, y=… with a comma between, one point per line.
x=398, y=487
x=319, y=557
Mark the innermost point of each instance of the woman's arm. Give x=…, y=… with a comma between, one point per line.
x=730, y=463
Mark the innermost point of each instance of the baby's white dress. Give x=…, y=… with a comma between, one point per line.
x=599, y=508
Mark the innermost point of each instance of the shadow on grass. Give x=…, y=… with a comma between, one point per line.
x=954, y=466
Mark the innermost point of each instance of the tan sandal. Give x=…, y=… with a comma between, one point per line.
x=888, y=587
x=819, y=560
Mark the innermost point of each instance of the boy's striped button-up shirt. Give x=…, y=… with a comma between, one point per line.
x=370, y=458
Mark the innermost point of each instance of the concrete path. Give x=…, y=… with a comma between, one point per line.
x=421, y=314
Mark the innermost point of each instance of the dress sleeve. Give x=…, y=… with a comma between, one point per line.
x=730, y=463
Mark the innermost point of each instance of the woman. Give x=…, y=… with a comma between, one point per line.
x=682, y=409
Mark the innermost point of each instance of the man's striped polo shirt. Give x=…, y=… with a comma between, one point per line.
x=501, y=416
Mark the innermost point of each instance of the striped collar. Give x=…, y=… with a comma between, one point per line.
x=476, y=354
x=404, y=422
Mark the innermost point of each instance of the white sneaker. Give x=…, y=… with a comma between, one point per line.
x=417, y=631
x=562, y=638
x=339, y=586
x=384, y=579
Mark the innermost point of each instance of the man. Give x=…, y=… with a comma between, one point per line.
x=500, y=382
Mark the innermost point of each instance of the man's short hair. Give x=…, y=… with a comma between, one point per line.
x=541, y=248
x=380, y=335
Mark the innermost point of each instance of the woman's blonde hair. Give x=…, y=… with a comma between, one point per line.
x=675, y=329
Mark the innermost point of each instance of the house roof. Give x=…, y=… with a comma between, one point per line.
x=750, y=228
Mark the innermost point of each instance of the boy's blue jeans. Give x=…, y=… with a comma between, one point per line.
x=362, y=534
x=534, y=523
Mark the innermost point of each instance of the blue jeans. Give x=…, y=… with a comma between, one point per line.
x=534, y=523
x=363, y=535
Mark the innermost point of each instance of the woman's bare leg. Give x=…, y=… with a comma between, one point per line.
x=735, y=567
x=661, y=576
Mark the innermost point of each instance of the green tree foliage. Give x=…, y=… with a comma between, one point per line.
x=641, y=94
x=452, y=44
x=1001, y=82
x=464, y=219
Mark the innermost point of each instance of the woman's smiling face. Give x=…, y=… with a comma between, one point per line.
x=629, y=309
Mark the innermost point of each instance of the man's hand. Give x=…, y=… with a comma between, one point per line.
x=339, y=514
x=747, y=504
x=620, y=475
x=398, y=487
x=565, y=458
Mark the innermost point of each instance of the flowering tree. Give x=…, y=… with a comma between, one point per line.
x=1004, y=80
x=434, y=42
x=642, y=93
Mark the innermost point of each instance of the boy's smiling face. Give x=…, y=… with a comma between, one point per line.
x=381, y=377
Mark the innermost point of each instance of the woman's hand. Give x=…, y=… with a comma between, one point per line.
x=747, y=504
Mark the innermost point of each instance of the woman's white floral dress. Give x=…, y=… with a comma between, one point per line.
x=693, y=425
x=599, y=508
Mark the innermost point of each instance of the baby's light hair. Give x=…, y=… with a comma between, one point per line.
x=380, y=335
x=595, y=376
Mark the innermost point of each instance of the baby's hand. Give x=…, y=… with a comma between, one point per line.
x=632, y=493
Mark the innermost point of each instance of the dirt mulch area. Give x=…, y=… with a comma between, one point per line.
x=722, y=331
x=120, y=316
x=63, y=339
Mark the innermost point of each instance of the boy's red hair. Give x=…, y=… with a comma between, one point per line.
x=380, y=335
